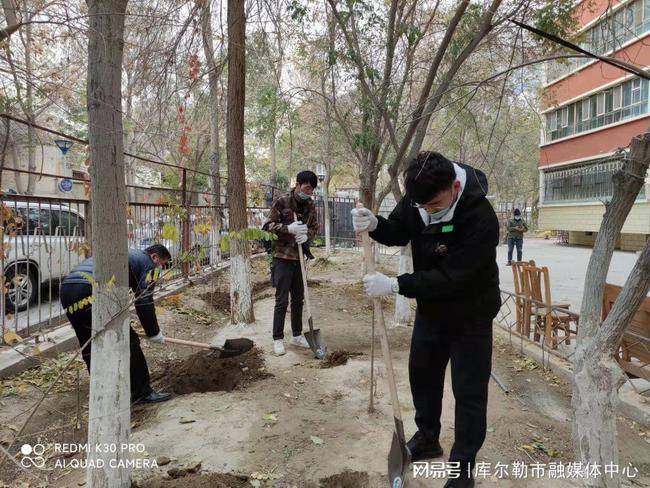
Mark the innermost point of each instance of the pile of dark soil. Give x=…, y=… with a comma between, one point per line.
x=220, y=300
x=346, y=479
x=338, y=358
x=206, y=480
x=203, y=372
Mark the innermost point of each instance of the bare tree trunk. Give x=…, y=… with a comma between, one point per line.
x=597, y=376
x=20, y=187
x=403, y=310
x=214, y=73
x=328, y=177
x=5, y=142
x=9, y=6
x=273, y=171
x=241, y=303
x=129, y=139
x=31, y=150
x=109, y=412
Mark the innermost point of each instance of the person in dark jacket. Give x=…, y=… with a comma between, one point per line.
x=454, y=233
x=285, y=268
x=75, y=287
x=516, y=227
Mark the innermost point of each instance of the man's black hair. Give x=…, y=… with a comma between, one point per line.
x=517, y=212
x=307, y=177
x=428, y=174
x=160, y=250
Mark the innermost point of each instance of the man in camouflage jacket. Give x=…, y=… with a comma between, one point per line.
x=285, y=269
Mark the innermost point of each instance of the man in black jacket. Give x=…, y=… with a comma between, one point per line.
x=453, y=232
x=75, y=287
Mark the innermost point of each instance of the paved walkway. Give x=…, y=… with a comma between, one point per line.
x=567, y=266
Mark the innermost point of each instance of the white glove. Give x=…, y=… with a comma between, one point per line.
x=363, y=219
x=158, y=338
x=297, y=228
x=301, y=238
x=379, y=285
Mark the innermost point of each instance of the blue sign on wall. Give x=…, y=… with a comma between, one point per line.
x=65, y=185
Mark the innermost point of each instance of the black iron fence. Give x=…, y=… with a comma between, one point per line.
x=341, y=230
x=45, y=237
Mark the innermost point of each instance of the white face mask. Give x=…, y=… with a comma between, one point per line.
x=439, y=214
x=435, y=216
x=517, y=217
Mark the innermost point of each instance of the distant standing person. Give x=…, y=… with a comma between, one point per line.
x=285, y=269
x=516, y=227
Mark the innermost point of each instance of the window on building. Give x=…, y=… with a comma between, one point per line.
x=610, y=33
x=630, y=99
x=600, y=104
x=585, y=109
x=638, y=14
x=629, y=20
x=616, y=95
x=552, y=121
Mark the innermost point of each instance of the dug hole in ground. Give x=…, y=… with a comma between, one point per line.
x=295, y=421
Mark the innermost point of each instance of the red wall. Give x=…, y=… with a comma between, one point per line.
x=596, y=75
x=600, y=142
x=589, y=10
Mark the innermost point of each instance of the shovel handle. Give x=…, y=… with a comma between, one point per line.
x=381, y=325
x=304, y=279
x=183, y=342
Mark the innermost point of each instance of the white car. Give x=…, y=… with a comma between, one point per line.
x=42, y=243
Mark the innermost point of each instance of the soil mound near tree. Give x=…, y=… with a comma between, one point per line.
x=338, y=358
x=203, y=372
x=346, y=479
x=205, y=480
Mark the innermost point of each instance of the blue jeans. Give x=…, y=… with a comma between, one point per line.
x=512, y=242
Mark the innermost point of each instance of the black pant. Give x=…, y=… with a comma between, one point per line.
x=287, y=278
x=81, y=322
x=469, y=347
x=512, y=243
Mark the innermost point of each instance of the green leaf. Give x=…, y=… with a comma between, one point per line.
x=316, y=440
x=170, y=232
x=270, y=417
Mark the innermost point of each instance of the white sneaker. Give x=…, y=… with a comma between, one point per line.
x=278, y=347
x=299, y=341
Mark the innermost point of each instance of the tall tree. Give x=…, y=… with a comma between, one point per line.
x=597, y=375
x=241, y=303
x=214, y=74
x=109, y=411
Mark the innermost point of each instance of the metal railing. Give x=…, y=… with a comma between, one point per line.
x=552, y=328
x=589, y=181
x=45, y=238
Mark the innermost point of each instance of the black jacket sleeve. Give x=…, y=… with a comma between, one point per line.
x=393, y=231
x=460, y=268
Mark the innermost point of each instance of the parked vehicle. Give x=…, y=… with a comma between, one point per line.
x=41, y=244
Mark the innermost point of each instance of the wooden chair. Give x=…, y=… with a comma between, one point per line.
x=549, y=318
x=634, y=353
x=523, y=318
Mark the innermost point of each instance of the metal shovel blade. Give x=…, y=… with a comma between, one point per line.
x=233, y=347
x=315, y=341
x=399, y=457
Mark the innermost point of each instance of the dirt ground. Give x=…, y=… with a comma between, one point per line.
x=294, y=421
